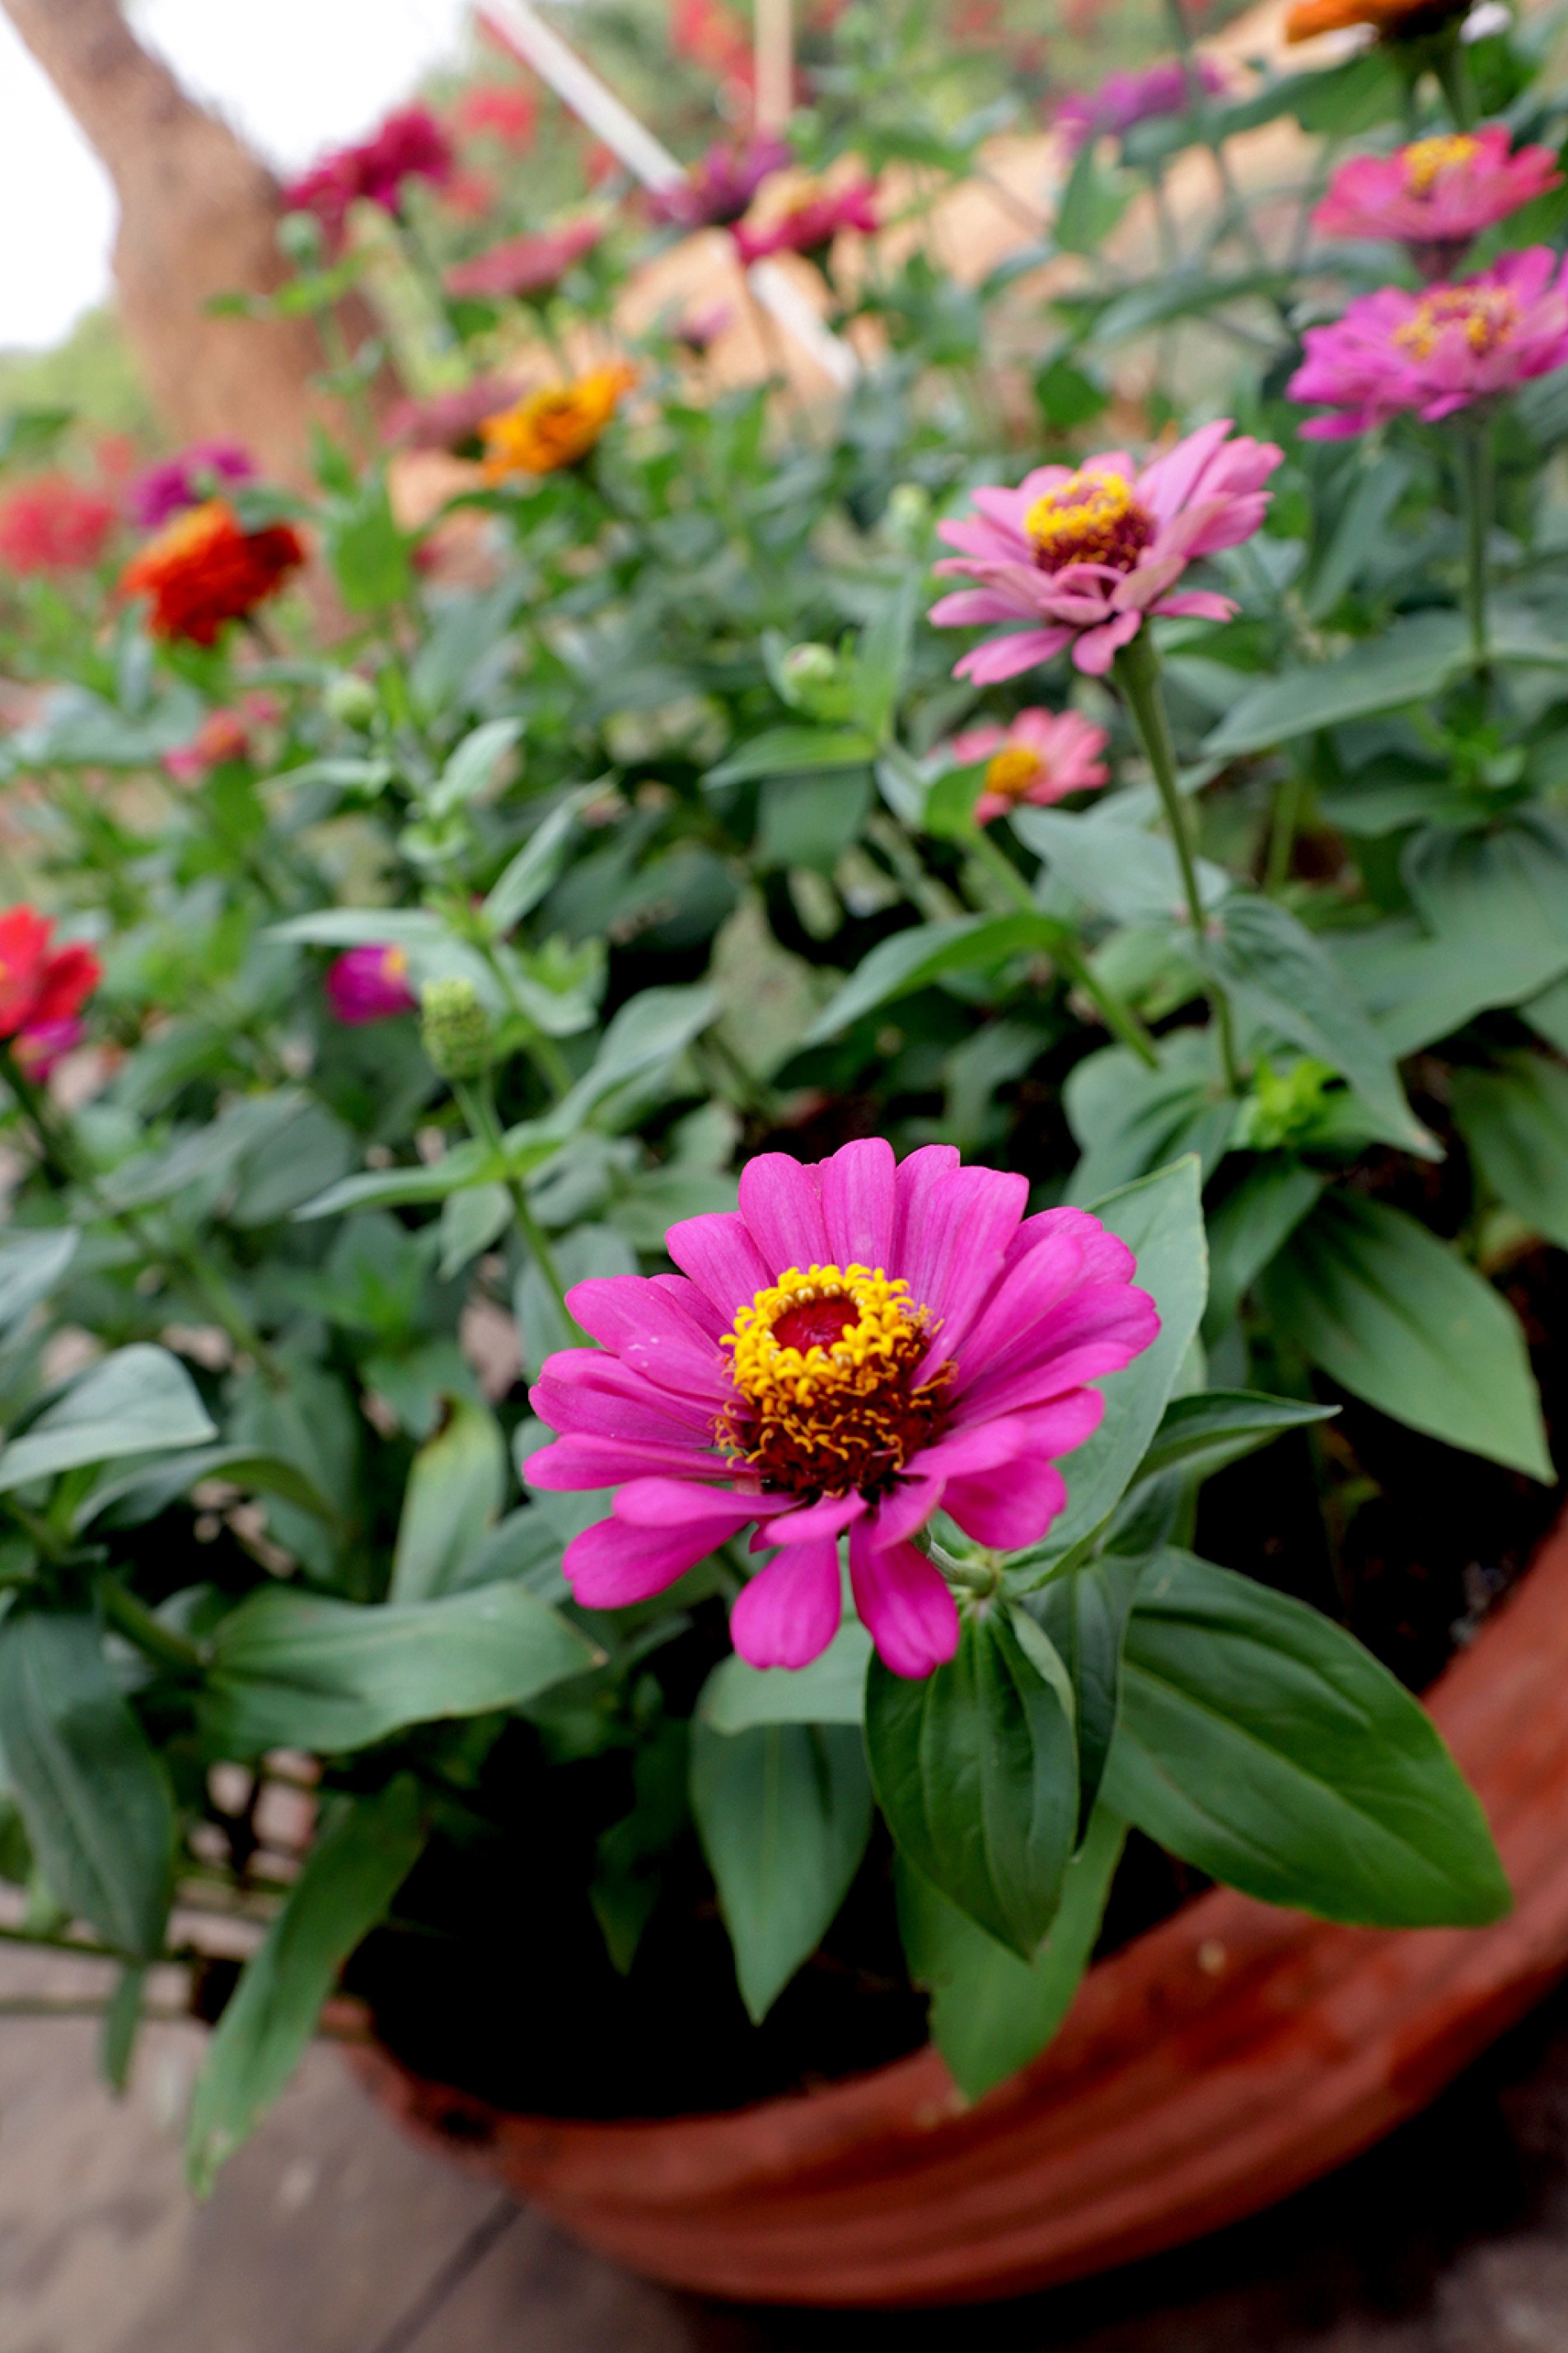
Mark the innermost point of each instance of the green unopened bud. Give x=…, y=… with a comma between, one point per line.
x=455, y=1028
x=809, y=666
x=351, y=699
x=908, y=516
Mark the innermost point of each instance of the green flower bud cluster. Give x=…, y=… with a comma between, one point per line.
x=458, y=1033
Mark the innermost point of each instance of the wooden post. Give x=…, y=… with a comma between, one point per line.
x=775, y=52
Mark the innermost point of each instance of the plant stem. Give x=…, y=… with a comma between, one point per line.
x=1452, y=68
x=1474, y=460
x=1063, y=949
x=476, y=1100
x=148, y=1633
x=1285, y=817
x=1138, y=674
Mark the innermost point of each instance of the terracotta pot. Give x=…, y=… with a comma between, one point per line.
x=1228, y=2057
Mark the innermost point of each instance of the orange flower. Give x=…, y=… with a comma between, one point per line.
x=202, y=570
x=1393, y=20
x=555, y=427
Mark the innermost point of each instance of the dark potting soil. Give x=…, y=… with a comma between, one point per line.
x=495, y=1978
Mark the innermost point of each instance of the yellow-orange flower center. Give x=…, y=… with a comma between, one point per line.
x=1010, y=771
x=1426, y=160
x=394, y=963
x=1091, y=517
x=554, y=427
x=823, y=1363
x=1485, y=315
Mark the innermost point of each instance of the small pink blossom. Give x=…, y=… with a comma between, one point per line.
x=525, y=267
x=223, y=736
x=1041, y=757
x=203, y=471
x=369, y=984
x=1125, y=100
x=1085, y=557
x=717, y=191
x=810, y=226
x=42, y=1044
x=858, y=1347
x=1394, y=351
x=1436, y=195
x=410, y=144
x=449, y=420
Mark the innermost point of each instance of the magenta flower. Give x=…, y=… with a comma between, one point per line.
x=810, y=226
x=1438, y=351
x=41, y=1044
x=201, y=473
x=449, y=420
x=857, y=1346
x=369, y=984
x=409, y=145
x=1085, y=557
x=1125, y=100
x=1438, y=193
x=716, y=191
x=526, y=266
x=1041, y=757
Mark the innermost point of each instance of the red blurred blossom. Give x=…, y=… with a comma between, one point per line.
x=197, y=473
x=470, y=194
x=712, y=37
x=450, y=420
x=202, y=570
x=500, y=112
x=409, y=145
x=369, y=984
x=716, y=191
x=810, y=226
x=1125, y=100
x=224, y=734
x=42, y=989
x=525, y=267
x=54, y=523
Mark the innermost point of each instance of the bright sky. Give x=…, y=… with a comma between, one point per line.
x=292, y=75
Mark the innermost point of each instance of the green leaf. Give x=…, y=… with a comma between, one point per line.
x=1547, y=1015
x=1398, y=1318
x=359, y=927
x=1515, y=1122
x=650, y=1030
x=207, y=1155
x=792, y=750
x=1084, y=1616
x=139, y=1401
x=1250, y=1225
x=137, y=1492
x=1179, y=293
x=1199, y=1434
x=31, y=1263
x=350, y=1877
x=976, y=1773
x=455, y=1491
x=1358, y=532
x=1092, y=203
x=811, y=820
x=472, y=766
x=784, y=1812
x=1132, y=874
x=1410, y=662
x=122, y=2019
x=1130, y=1120
x=832, y=1690
x=465, y=1164
x=913, y=959
x=1509, y=882
x=1417, y=989
x=1161, y=1220
x=90, y=1793
x=992, y=2013
x=535, y=869
x=289, y=1166
x=1261, y=1744
x=367, y=552
x=1285, y=977
x=295, y=1671
x=472, y=1220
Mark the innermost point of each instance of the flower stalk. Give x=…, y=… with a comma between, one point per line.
x=1473, y=461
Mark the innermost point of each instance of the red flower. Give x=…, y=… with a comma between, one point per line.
x=493, y=110
x=409, y=145
x=526, y=266
x=42, y=987
x=712, y=37
x=202, y=570
x=810, y=226
x=53, y=524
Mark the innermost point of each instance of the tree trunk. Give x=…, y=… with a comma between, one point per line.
x=198, y=214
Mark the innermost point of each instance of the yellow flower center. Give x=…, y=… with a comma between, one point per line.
x=1428, y=160
x=1011, y=771
x=394, y=963
x=823, y=1362
x=1484, y=316
x=1091, y=517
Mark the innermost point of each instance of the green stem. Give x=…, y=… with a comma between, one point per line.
x=1283, y=825
x=146, y=1632
x=1452, y=67
x=1138, y=674
x=1064, y=950
x=476, y=1101
x=1473, y=456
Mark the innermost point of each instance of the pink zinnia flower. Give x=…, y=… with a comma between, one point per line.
x=1042, y=757
x=494, y=110
x=409, y=145
x=716, y=191
x=42, y=1044
x=369, y=984
x=1085, y=557
x=450, y=420
x=855, y=1347
x=198, y=473
x=1125, y=100
x=1438, y=351
x=1437, y=193
x=524, y=265
x=54, y=523
x=223, y=736
x=810, y=226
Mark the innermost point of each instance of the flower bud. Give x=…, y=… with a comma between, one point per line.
x=455, y=1028
x=809, y=666
x=908, y=516
x=351, y=699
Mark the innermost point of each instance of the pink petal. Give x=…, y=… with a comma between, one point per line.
x=914, y=1180
x=1001, y=657
x=783, y=1212
x=1010, y=1507
x=593, y=1462
x=790, y=1612
x=1171, y=483
x=610, y=1566
x=608, y=1398
x=858, y=1199
x=652, y=1334
x=904, y=1605
x=721, y=1257
x=829, y=1516
x=1098, y=1330
x=1098, y=649
x=969, y=608
x=1107, y=1258
x=955, y=1252
x=671, y=1503
x=1200, y=603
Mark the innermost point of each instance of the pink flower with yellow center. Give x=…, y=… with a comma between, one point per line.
x=1041, y=757
x=1394, y=351
x=369, y=984
x=858, y=1346
x=1436, y=195
x=1083, y=558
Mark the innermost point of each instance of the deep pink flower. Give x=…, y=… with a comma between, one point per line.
x=810, y=226
x=369, y=984
x=201, y=473
x=409, y=145
x=1438, y=351
x=450, y=420
x=53, y=524
x=498, y=110
x=1438, y=193
x=42, y=1044
x=1085, y=557
x=855, y=1347
x=716, y=191
x=523, y=266
x=1124, y=99
x=1041, y=757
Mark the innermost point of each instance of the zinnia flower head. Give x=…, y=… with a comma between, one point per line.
x=716, y=191
x=812, y=223
x=498, y=110
x=223, y=736
x=1084, y=556
x=526, y=266
x=856, y=1347
x=555, y=427
x=1434, y=352
x=1392, y=20
x=410, y=144
x=202, y=570
x=1040, y=758
x=52, y=524
x=42, y=989
x=197, y=474
x=1125, y=100
x=369, y=984
x=1436, y=195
